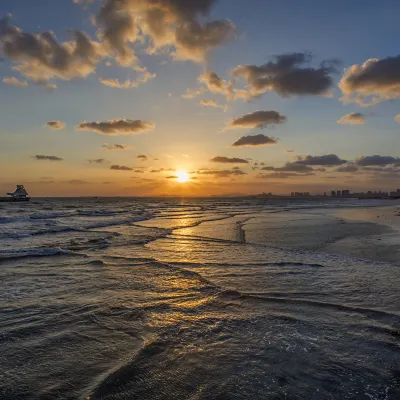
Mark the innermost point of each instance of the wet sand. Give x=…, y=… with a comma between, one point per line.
x=384, y=246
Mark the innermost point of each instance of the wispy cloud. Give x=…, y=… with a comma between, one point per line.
x=354, y=118
x=48, y=158
x=15, y=82
x=227, y=160
x=121, y=168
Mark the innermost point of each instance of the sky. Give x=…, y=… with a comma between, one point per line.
x=200, y=97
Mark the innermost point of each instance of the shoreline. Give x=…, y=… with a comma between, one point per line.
x=381, y=247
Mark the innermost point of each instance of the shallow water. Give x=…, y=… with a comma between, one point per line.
x=195, y=299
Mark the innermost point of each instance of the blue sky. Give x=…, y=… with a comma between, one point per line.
x=187, y=135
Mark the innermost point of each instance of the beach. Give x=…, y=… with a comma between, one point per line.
x=200, y=299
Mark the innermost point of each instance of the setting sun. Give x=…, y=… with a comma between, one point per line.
x=182, y=176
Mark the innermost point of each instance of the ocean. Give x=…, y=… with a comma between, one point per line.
x=200, y=299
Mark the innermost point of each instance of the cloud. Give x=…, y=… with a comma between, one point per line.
x=78, y=182
x=373, y=82
x=227, y=160
x=328, y=160
x=15, y=82
x=290, y=167
x=213, y=103
x=255, y=140
x=353, y=118
x=350, y=167
x=49, y=158
x=377, y=160
x=142, y=157
x=397, y=118
x=288, y=75
x=172, y=177
x=154, y=171
x=40, y=57
x=192, y=93
x=116, y=127
x=217, y=85
x=129, y=83
x=289, y=150
x=257, y=119
x=282, y=175
x=98, y=161
x=120, y=168
x=177, y=26
x=217, y=173
x=56, y=125
x=174, y=25
x=114, y=146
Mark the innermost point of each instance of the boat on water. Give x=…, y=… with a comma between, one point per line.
x=20, y=194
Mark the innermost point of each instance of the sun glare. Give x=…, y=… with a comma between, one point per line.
x=182, y=176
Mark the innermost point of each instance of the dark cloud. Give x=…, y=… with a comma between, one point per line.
x=350, y=167
x=372, y=82
x=377, y=160
x=328, y=160
x=282, y=175
x=255, y=140
x=172, y=177
x=353, y=118
x=154, y=171
x=120, y=168
x=257, y=119
x=288, y=75
x=217, y=173
x=142, y=157
x=49, y=158
x=116, y=127
x=78, y=182
x=55, y=124
x=227, y=160
x=98, y=161
x=114, y=146
x=290, y=167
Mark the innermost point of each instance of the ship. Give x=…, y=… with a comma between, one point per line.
x=20, y=194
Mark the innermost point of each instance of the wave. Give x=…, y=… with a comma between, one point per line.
x=7, y=220
x=35, y=252
x=369, y=312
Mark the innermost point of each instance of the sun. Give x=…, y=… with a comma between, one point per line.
x=182, y=176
